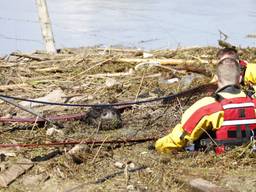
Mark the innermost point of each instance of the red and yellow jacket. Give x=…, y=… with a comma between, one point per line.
x=205, y=115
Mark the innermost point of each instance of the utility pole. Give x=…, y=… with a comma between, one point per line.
x=46, y=27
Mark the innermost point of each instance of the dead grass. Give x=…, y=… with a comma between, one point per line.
x=70, y=71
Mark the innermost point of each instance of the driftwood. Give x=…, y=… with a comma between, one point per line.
x=12, y=86
x=49, y=62
x=8, y=65
x=194, y=68
x=120, y=50
x=29, y=56
x=13, y=172
x=90, y=68
x=110, y=176
x=50, y=69
x=104, y=75
x=206, y=186
x=201, y=185
x=179, y=64
x=165, y=61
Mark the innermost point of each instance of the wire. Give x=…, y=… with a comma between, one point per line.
x=166, y=99
x=37, y=145
x=20, y=39
x=18, y=20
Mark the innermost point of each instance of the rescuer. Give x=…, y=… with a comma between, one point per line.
x=228, y=116
x=248, y=70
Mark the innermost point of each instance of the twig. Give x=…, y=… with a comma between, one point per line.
x=94, y=158
x=126, y=174
x=12, y=86
x=138, y=92
x=90, y=68
x=96, y=132
x=105, y=178
x=164, y=61
x=180, y=106
x=104, y=75
x=209, y=136
x=34, y=125
x=29, y=56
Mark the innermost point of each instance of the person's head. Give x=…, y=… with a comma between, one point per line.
x=228, y=72
x=227, y=53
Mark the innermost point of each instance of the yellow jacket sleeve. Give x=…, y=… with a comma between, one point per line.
x=204, y=115
x=178, y=137
x=250, y=74
x=171, y=141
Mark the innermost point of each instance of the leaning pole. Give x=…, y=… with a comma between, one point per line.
x=46, y=27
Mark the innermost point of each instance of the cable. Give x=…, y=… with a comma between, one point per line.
x=18, y=20
x=20, y=39
x=60, y=143
x=166, y=99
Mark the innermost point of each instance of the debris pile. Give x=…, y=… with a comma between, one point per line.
x=111, y=75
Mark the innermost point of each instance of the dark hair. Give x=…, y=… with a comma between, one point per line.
x=231, y=52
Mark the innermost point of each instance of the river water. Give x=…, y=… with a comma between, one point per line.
x=147, y=24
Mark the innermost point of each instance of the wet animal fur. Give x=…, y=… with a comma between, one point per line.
x=106, y=118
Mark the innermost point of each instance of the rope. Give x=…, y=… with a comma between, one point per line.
x=166, y=99
x=38, y=145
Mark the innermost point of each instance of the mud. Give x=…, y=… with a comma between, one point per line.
x=76, y=72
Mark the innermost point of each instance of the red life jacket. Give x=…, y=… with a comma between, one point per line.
x=239, y=121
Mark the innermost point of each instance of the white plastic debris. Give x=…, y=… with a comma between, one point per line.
x=77, y=149
x=110, y=82
x=147, y=55
x=145, y=65
x=53, y=131
x=144, y=152
x=149, y=170
x=131, y=165
x=119, y=165
x=56, y=95
x=169, y=81
x=8, y=153
x=130, y=188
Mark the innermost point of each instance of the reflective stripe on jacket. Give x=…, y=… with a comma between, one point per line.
x=239, y=120
x=205, y=115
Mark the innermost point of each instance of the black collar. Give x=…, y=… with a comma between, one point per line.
x=233, y=89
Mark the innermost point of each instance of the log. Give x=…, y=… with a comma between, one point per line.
x=7, y=65
x=206, y=186
x=191, y=67
x=194, y=68
x=165, y=61
x=120, y=50
x=29, y=56
x=200, y=184
x=104, y=75
x=50, y=69
x=12, y=86
x=13, y=172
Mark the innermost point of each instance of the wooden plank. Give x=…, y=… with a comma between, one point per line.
x=203, y=185
x=14, y=171
x=165, y=61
